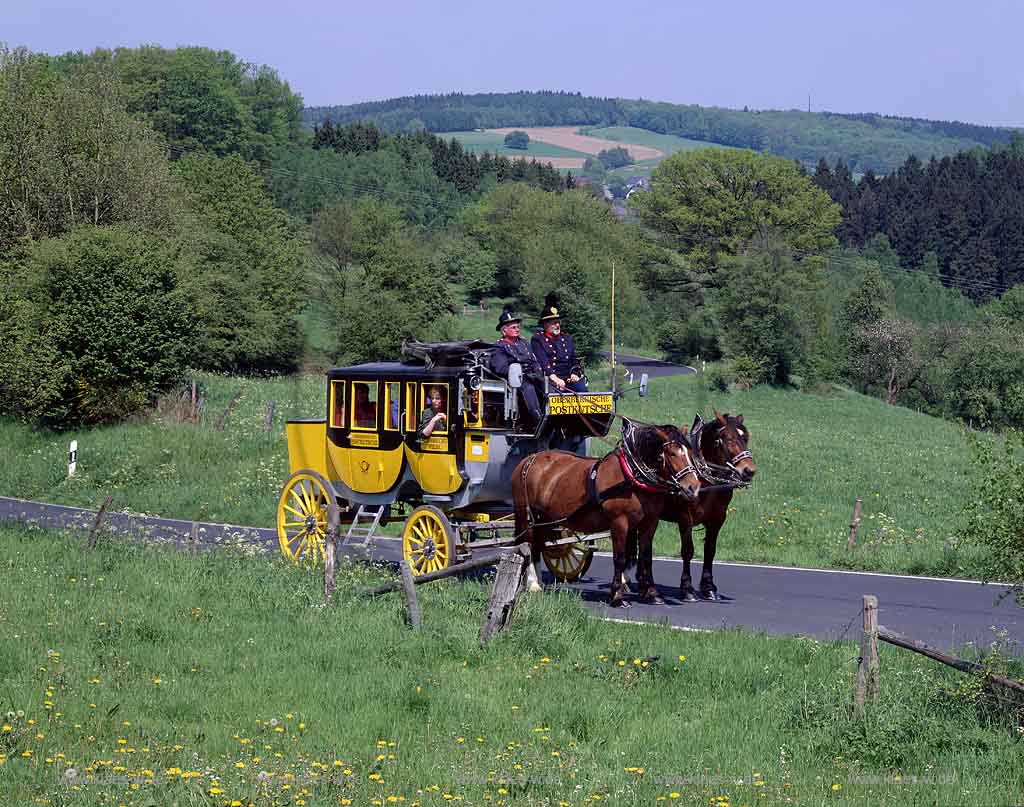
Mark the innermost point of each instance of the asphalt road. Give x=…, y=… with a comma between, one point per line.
x=777, y=600
x=655, y=368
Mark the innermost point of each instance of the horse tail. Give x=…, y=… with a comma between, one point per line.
x=632, y=549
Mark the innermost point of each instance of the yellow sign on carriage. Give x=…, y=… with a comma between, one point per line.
x=581, y=404
x=364, y=440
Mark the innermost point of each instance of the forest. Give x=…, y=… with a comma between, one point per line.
x=167, y=211
x=864, y=142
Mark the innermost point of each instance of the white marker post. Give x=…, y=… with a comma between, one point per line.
x=72, y=458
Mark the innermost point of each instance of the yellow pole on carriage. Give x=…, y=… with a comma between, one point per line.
x=613, y=329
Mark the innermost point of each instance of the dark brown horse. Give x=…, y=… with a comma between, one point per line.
x=725, y=461
x=622, y=492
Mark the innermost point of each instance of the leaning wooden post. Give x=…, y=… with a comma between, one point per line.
x=268, y=420
x=94, y=533
x=867, y=668
x=330, y=549
x=413, y=603
x=193, y=538
x=222, y=422
x=854, y=524
x=508, y=582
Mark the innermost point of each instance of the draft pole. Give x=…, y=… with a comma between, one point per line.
x=613, y=329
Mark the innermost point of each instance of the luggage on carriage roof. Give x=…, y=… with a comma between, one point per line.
x=442, y=354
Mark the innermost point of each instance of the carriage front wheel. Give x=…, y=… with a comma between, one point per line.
x=568, y=562
x=302, y=517
x=428, y=541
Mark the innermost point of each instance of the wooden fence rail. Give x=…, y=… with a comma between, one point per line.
x=868, y=677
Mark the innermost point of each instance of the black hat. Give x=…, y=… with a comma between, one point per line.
x=507, y=318
x=549, y=313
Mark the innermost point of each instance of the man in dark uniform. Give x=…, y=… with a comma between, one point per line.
x=511, y=349
x=556, y=354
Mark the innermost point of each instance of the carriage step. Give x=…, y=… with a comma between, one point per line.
x=365, y=522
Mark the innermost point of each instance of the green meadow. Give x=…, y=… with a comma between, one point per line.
x=137, y=675
x=816, y=453
x=479, y=142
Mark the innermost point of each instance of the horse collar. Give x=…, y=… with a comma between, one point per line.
x=628, y=473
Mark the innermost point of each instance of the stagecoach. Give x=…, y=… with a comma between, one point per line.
x=452, y=488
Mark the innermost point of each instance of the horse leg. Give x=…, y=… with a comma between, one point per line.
x=648, y=590
x=686, y=590
x=619, y=591
x=708, y=590
x=533, y=568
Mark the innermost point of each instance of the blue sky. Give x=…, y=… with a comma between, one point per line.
x=901, y=57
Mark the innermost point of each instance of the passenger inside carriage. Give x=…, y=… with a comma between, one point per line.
x=435, y=414
x=364, y=411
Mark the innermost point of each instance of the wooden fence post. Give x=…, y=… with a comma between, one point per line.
x=867, y=667
x=331, y=548
x=413, y=603
x=854, y=524
x=508, y=582
x=268, y=420
x=94, y=533
x=193, y=538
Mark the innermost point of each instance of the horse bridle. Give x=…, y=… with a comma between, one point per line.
x=709, y=475
x=676, y=479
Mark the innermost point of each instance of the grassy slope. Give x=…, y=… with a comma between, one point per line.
x=479, y=142
x=219, y=679
x=815, y=454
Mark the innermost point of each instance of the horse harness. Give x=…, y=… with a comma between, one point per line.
x=641, y=477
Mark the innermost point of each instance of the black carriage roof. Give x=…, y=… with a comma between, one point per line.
x=393, y=369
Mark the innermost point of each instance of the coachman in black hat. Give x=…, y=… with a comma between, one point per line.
x=556, y=353
x=513, y=349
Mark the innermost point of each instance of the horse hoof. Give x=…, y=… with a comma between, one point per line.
x=711, y=596
x=652, y=597
x=619, y=602
x=688, y=595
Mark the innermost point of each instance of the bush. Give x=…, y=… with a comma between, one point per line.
x=615, y=158
x=94, y=327
x=985, y=385
x=994, y=514
x=517, y=140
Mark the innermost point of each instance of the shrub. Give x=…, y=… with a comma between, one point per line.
x=994, y=514
x=94, y=325
x=517, y=140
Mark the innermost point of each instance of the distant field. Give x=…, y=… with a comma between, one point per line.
x=481, y=141
x=669, y=144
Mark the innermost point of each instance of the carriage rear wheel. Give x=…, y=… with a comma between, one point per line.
x=302, y=517
x=428, y=540
x=568, y=562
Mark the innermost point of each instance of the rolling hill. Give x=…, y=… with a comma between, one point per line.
x=863, y=141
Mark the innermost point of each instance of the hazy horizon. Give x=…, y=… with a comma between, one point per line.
x=913, y=60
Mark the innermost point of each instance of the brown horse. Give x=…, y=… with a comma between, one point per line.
x=622, y=492
x=725, y=461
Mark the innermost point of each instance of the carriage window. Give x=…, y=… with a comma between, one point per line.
x=364, y=404
x=337, y=404
x=428, y=394
x=411, y=412
x=392, y=405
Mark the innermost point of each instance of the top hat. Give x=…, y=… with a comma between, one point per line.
x=549, y=313
x=507, y=318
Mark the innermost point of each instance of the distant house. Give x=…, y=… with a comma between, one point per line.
x=637, y=182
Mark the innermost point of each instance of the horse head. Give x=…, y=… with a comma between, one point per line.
x=725, y=442
x=668, y=450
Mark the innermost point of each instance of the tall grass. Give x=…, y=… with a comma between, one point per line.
x=165, y=678
x=815, y=454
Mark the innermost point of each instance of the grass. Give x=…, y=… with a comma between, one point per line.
x=479, y=142
x=159, y=677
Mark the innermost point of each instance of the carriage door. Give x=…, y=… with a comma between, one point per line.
x=432, y=458
x=373, y=466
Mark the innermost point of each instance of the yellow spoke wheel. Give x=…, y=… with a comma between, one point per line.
x=568, y=562
x=302, y=517
x=428, y=540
